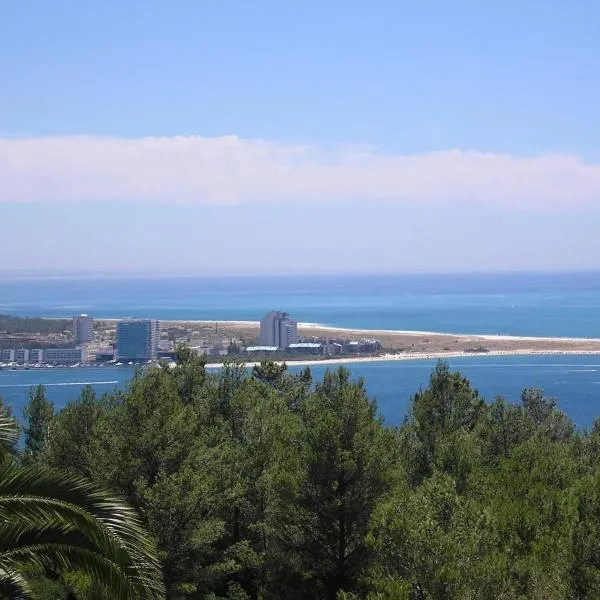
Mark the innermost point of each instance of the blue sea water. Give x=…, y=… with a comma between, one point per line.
x=564, y=304
x=559, y=304
x=573, y=380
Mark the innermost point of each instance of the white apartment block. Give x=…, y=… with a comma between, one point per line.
x=8, y=355
x=278, y=329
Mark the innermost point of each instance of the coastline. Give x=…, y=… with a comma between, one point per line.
x=415, y=333
x=395, y=344
x=416, y=356
x=373, y=332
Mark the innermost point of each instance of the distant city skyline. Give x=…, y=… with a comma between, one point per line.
x=337, y=137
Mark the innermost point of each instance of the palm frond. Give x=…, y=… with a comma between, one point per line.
x=66, y=518
x=118, y=584
x=13, y=585
x=9, y=432
x=28, y=517
x=117, y=516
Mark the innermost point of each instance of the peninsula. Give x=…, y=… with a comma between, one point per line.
x=398, y=345
x=40, y=341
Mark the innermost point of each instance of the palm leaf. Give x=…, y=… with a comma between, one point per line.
x=49, y=517
x=117, y=516
x=70, y=558
x=9, y=432
x=13, y=585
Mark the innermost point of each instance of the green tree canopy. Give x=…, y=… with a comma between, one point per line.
x=37, y=414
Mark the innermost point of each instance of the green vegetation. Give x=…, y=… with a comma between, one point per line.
x=63, y=536
x=35, y=332
x=37, y=416
x=261, y=484
x=10, y=324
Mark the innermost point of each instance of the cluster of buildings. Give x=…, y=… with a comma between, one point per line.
x=83, y=333
x=279, y=333
x=137, y=340
x=42, y=355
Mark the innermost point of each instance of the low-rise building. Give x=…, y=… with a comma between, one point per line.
x=63, y=356
x=306, y=348
x=335, y=348
x=36, y=355
x=261, y=349
x=104, y=355
x=21, y=355
x=8, y=355
x=97, y=352
x=362, y=346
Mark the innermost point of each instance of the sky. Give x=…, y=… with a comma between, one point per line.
x=225, y=136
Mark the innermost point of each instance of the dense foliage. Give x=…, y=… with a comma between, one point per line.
x=12, y=324
x=61, y=534
x=263, y=484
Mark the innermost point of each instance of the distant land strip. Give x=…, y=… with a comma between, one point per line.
x=398, y=345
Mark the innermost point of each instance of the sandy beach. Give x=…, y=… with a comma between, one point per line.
x=415, y=356
x=409, y=345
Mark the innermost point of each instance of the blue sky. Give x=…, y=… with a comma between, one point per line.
x=274, y=136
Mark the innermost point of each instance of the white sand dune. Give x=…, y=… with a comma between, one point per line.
x=375, y=332
x=523, y=345
x=481, y=336
x=417, y=356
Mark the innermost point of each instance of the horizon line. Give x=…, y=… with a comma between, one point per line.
x=147, y=272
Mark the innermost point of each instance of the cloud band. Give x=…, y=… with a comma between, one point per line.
x=232, y=170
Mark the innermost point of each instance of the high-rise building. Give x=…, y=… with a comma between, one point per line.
x=268, y=327
x=288, y=332
x=278, y=329
x=137, y=339
x=83, y=329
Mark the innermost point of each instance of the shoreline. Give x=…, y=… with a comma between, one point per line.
x=370, y=332
x=343, y=360
x=415, y=356
x=395, y=344
x=416, y=333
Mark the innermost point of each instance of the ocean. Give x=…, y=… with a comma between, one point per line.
x=560, y=304
x=537, y=304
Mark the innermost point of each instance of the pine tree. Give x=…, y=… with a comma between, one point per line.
x=37, y=415
x=348, y=457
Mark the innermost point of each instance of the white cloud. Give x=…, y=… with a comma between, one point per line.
x=224, y=170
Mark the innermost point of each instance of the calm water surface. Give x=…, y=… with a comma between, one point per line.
x=573, y=380
x=518, y=304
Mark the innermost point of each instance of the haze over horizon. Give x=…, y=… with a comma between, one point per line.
x=226, y=137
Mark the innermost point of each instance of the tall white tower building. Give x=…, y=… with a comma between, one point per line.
x=278, y=329
x=83, y=329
